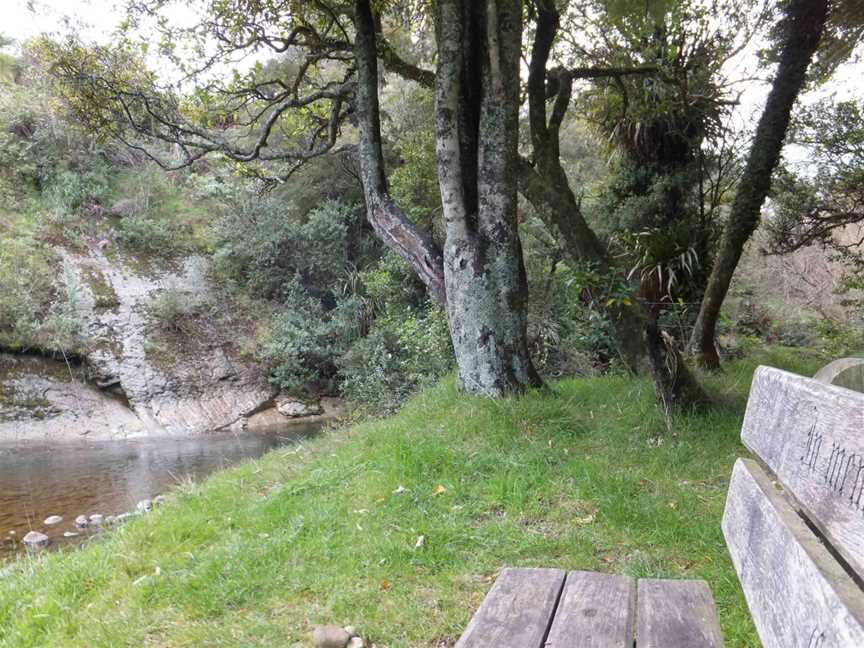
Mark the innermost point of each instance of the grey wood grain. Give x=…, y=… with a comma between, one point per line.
x=517, y=611
x=798, y=594
x=596, y=611
x=811, y=435
x=676, y=614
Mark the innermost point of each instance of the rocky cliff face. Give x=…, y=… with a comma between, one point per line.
x=133, y=381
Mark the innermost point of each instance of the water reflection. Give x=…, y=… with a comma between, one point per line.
x=110, y=477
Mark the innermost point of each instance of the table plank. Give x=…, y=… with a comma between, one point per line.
x=798, y=594
x=596, y=611
x=676, y=614
x=517, y=611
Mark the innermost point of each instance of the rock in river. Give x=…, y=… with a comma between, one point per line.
x=34, y=541
x=96, y=519
x=295, y=409
x=144, y=506
x=53, y=520
x=82, y=522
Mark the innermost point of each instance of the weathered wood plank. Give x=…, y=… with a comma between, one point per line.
x=811, y=435
x=676, y=614
x=845, y=372
x=798, y=594
x=517, y=611
x=596, y=611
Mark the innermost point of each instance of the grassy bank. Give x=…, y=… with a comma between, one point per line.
x=399, y=526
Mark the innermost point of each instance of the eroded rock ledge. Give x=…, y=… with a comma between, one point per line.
x=125, y=384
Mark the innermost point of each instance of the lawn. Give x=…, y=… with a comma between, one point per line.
x=399, y=526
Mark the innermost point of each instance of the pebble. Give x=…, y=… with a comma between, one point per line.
x=53, y=520
x=70, y=534
x=144, y=506
x=82, y=521
x=159, y=500
x=96, y=519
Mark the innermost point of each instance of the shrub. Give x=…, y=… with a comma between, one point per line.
x=155, y=215
x=400, y=355
x=304, y=340
x=174, y=310
x=261, y=240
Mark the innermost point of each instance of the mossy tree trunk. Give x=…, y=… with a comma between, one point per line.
x=804, y=24
x=477, y=131
x=480, y=276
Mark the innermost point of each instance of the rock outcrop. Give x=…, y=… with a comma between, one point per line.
x=129, y=383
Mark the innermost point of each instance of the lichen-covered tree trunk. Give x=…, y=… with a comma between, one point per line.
x=477, y=100
x=389, y=222
x=805, y=20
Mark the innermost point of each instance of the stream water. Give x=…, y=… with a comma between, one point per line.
x=111, y=477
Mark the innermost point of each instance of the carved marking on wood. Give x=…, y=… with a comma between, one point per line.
x=814, y=445
x=837, y=468
x=817, y=639
x=857, y=486
x=842, y=468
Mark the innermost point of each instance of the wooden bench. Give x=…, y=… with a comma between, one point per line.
x=551, y=608
x=794, y=527
x=794, y=519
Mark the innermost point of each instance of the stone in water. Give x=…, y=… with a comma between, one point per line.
x=82, y=522
x=53, y=520
x=34, y=541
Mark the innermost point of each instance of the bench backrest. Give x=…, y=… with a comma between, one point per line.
x=794, y=520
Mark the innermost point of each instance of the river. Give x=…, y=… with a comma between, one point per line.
x=111, y=477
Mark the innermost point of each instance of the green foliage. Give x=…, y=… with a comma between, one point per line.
x=414, y=183
x=40, y=149
x=837, y=340
x=402, y=353
x=38, y=309
x=26, y=290
x=262, y=239
x=173, y=310
x=304, y=340
x=391, y=285
x=157, y=215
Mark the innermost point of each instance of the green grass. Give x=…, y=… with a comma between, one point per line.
x=586, y=478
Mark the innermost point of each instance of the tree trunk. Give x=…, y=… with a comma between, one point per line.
x=477, y=103
x=675, y=384
x=805, y=20
x=389, y=222
x=560, y=212
x=545, y=185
